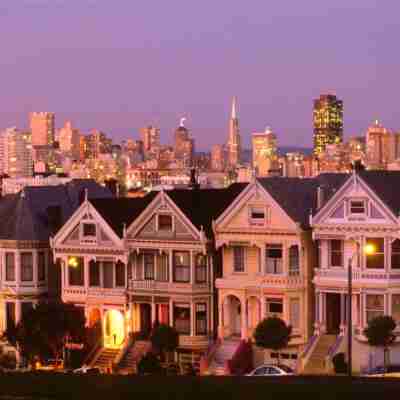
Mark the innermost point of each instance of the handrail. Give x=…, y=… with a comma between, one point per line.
x=92, y=352
x=206, y=359
x=121, y=354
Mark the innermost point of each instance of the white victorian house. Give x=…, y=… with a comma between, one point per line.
x=362, y=210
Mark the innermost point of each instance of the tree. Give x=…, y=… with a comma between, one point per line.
x=149, y=364
x=379, y=333
x=43, y=330
x=164, y=338
x=272, y=333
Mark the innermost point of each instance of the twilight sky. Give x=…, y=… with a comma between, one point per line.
x=121, y=64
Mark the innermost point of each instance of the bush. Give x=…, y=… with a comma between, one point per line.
x=8, y=360
x=339, y=363
x=172, y=369
x=149, y=365
x=242, y=360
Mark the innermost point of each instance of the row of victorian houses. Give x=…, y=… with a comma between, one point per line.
x=213, y=263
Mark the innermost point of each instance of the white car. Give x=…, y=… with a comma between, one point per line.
x=271, y=370
x=87, y=370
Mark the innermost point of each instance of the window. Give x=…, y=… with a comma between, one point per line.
x=181, y=266
x=336, y=253
x=395, y=261
x=89, y=230
x=396, y=308
x=182, y=318
x=257, y=215
x=274, y=307
x=10, y=267
x=201, y=268
x=94, y=273
x=319, y=253
x=357, y=207
x=238, y=258
x=295, y=313
x=26, y=267
x=165, y=222
x=75, y=271
x=148, y=266
x=119, y=274
x=273, y=259
x=201, y=319
x=108, y=278
x=374, y=306
x=294, y=265
x=41, y=266
x=376, y=260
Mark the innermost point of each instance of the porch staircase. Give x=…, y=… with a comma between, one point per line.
x=104, y=358
x=316, y=363
x=224, y=352
x=133, y=355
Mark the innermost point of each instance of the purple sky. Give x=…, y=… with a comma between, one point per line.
x=121, y=64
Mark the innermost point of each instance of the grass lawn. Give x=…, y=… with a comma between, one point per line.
x=59, y=386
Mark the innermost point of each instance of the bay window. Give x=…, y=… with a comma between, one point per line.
x=119, y=274
x=201, y=268
x=10, y=267
x=94, y=273
x=108, y=274
x=181, y=266
x=273, y=259
x=201, y=319
x=377, y=259
x=181, y=314
x=395, y=259
x=238, y=258
x=148, y=266
x=336, y=253
x=75, y=271
x=374, y=306
x=294, y=261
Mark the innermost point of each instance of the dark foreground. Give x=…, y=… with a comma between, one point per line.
x=60, y=386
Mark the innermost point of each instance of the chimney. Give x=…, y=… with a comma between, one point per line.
x=320, y=197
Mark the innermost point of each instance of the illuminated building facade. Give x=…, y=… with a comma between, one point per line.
x=327, y=122
x=233, y=146
x=42, y=126
x=265, y=152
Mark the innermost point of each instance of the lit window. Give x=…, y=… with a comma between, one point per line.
x=238, y=259
x=165, y=222
x=357, y=207
x=395, y=254
x=336, y=253
x=374, y=306
x=376, y=260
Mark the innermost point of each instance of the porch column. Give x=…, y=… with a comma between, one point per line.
x=170, y=266
x=192, y=319
x=243, y=306
x=343, y=316
x=322, y=304
x=221, y=319
x=171, y=312
x=35, y=267
x=354, y=310
x=285, y=259
x=18, y=311
x=262, y=307
x=153, y=312
x=17, y=268
x=86, y=272
x=191, y=267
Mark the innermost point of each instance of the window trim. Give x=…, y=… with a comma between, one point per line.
x=243, y=248
x=385, y=255
x=358, y=200
x=14, y=267
x=258, y=221
x=341, y=250
x=172, y=222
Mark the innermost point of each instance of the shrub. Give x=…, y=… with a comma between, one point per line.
x=339, y=363
x=149, y=365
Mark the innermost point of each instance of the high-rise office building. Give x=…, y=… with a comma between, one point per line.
x=16, y=149
x=69, y=140
x=184, y=144
x=233, y=145
x=265, y=152
x=380, y=146
x=217, y=157
x=328, y=122
x=150, y=137
x=42, y=126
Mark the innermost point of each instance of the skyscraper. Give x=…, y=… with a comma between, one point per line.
x=265, y=152
x=150, y=137
x=328, y=122
x=42, y=126
x=184, y=144
x=233, y=145
x=69, y=140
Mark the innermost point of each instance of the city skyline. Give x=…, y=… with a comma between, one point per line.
x=148, y=61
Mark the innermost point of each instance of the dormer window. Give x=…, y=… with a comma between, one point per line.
x=257, y=215
x=165, y=222
x=357, y=207
x=89, y=230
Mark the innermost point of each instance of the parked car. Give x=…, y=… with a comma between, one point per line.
x=392, y=371
x=271, y=370
x=87, y=370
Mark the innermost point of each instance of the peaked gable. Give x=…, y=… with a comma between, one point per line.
x=355, y=203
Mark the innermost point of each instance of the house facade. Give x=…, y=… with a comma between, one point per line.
x=29, y=218
x=364, y=210
x=136, y=262
x=268, y=259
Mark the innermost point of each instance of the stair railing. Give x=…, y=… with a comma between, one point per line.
x=206, y=359
x=92, y=354
x=306, y=353
x=121, y=354
x=331, y=353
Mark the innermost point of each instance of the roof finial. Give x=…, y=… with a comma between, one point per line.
x=182, y=122
x=86, y=194
x=233, y=113
x=124, y=230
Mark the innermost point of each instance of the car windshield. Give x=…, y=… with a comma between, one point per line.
x=286, y=369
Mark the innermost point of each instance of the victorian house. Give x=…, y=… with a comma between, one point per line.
x=28, y=219
x=363, y=210
x=268, y=259
x=136, y=262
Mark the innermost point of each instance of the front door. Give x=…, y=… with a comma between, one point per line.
x=333, y=313
x=145, y=318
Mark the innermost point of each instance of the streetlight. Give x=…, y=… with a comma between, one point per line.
x=369, y=249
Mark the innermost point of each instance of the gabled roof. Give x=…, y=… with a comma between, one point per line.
x=203, y=206
x=117, y=212
x=386, y=185
x=298, y=196
x=27, y=215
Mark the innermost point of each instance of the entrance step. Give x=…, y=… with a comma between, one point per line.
x=316, y=362
x=104, y=358
x=133, y=355
x=224, y=353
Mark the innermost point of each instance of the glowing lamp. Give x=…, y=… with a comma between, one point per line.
x=369, y=249
x=73, y=262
